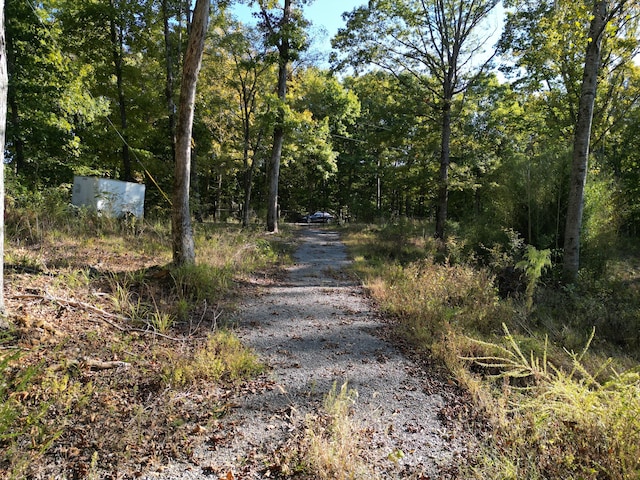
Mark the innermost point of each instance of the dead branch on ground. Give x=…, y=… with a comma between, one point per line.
x=104, y=315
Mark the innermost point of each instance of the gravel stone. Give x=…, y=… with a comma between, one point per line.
x=317, y=329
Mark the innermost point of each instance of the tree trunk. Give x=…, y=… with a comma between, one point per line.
x=4, y=87
x=272, y=212
x=445, y=153
x=169, y=83
x=117, y=52
x=582, y=136
x=182, y=231
x=278, y=131
x=250, y=169
x=195, y=186
x=378, y=185
x=249, y=165
x=12, y=105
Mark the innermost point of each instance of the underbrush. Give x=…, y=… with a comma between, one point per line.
x=554, y=413
x=114, y=360
x=221, y=357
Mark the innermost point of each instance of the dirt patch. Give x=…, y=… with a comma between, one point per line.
x=315, y=329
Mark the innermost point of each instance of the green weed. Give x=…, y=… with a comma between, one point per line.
x=74, y=279
x=563, y=423
x=201, y=282
x=534, y=263
x=25, y=433
x=221, y=358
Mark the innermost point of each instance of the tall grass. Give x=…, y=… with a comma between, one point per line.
x=554, y=414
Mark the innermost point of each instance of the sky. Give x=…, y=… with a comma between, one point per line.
x=327, y=14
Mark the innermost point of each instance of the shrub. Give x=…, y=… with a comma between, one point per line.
x=429, y=296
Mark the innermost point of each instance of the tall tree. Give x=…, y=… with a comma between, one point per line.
x=249, y=67
x=286, y=33
x=117, y=37
x=546, y=42
x=48, y=103
x=170, y=79
x=601, y=15
x=386, y=167
x=430, y=39
x=120, y=41
x=182, y=231
x=4, y=86
x=322, y=112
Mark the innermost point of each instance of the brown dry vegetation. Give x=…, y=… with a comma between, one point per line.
x=562, y=403
x=113, y=360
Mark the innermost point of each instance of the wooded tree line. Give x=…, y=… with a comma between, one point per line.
x=411, y=119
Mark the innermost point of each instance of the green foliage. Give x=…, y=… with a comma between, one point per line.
x=385, y=167
x=608, y=304
x=221, y=358
x=534, y=263
x=602, y=221
x=566, y=424
x=32, y=214
x=511, y=362
x=48, y=96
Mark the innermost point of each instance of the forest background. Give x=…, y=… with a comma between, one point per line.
x=93, y=91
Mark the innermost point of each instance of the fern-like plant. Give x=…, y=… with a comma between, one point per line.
x=534, y=264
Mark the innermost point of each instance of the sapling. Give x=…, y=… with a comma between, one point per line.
x=534, y=263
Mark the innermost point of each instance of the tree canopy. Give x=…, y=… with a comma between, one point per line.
x=412, y=118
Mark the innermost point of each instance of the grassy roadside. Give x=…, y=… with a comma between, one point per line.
x=114, y=361
x=562, y=401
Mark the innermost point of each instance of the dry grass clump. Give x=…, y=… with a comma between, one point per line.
x=334, y=441
x=429, y=296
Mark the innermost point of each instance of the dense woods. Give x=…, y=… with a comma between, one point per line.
x=515, y=153
x=415, y=132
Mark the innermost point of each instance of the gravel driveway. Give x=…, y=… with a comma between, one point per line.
x=315, y=329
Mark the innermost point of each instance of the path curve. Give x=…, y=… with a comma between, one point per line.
x=316, y=328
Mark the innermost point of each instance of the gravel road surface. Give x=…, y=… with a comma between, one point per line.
x=315, y=329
